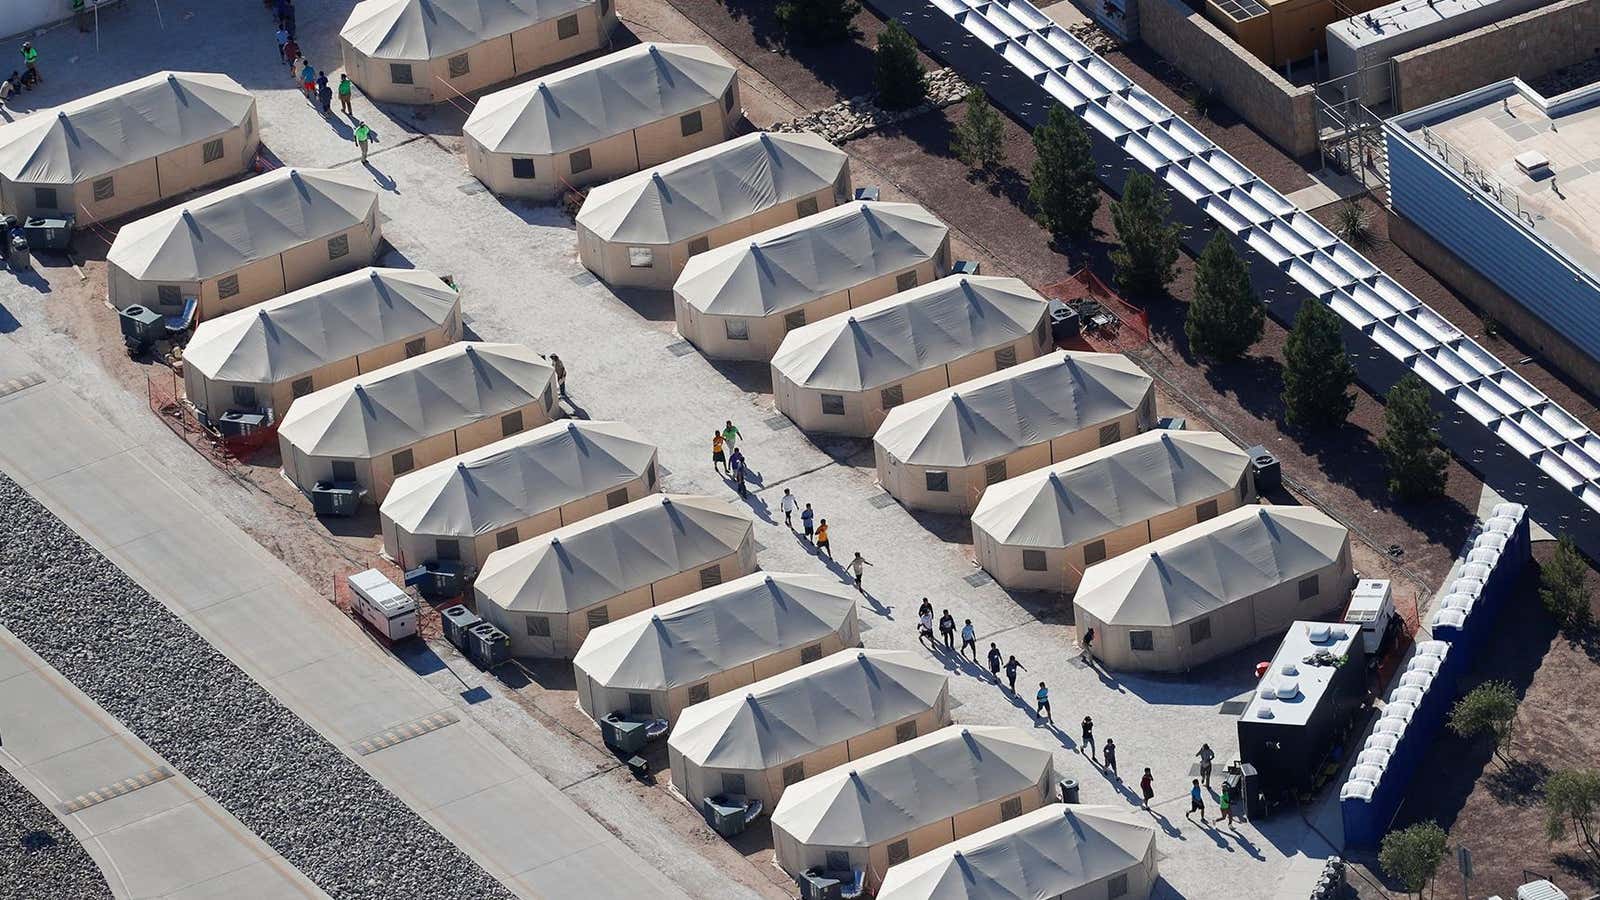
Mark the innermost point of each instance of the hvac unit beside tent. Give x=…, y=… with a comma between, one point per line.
x=457, y=619
x=48, y=234
x=240, y=422
x=438, y=580
x=1268, y=473
x=335, y=499
x=141, y=327
x=623, y=735
x=487, y=645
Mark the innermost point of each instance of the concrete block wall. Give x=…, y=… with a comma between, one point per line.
x=1528, y=46
x=1279, y=110
x=20, y=16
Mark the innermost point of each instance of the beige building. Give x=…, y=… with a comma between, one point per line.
x=756, y=742
x=1040, y=530
x=843, y=374
x=738, y=301
x=601, y=119
x=657, y=662
x=428, y=51
x=548, y=592
x=128, y=147
x=1214, y=588
x=468, y=506
x=265, y=356
x=378, y=426
x=893, y=805
x=640, y=230
x=247, y=242
x=942, y=452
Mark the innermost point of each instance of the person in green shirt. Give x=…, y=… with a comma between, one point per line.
x=363, y=135
x=30, y=59
x=730, y=433
x=345, y=88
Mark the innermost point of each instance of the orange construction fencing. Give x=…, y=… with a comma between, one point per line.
x=1109, y=323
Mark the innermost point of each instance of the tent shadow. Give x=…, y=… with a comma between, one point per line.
x=947, y=527
x=750, y=377
x=549, y=674
x=1209, y=685
x=652, y=306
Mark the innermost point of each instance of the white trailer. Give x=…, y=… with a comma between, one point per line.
x=1371, y=607
x=390, y=610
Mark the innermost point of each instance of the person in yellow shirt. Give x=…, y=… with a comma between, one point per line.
x=719, y=459
x=822, y=539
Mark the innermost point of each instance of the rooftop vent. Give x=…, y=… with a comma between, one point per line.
x=1532, y=163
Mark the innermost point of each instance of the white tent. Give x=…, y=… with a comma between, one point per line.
x=658, y=661
x=548, y=592
x=603, y=118
x=892, y=805
x=1040, y=529
x=943, y=451
x=247, y=242
x=127, y=147
x=267, y=355
x=424, y=51
x=640, y=230
x=1058, y=852
x=844, y=373
x=1215, y=588
x=738, y=301
x=487, y=499
x=758, y=741
x=378, y=426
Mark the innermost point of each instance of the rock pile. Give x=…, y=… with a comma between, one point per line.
x=860, y=115
x=1330, y=886
x=1094, y=37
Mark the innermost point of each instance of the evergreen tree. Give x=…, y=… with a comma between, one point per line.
x=1148, y=246
x=980, y=135
x=1225, y=317
x=1063, y=190
x=1564, y=586
x=813, y=22
x=1410, y=442
x=1316, y=374
x=899, y=72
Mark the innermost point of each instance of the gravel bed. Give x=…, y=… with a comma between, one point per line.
x=40, y=853
x=141, y=663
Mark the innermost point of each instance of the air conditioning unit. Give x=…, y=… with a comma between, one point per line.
x=623, y=735
x=239, y=422
x=1266, y=469
x=331, y=499
x=487, y=645
x=457, y=619
x=141, y=326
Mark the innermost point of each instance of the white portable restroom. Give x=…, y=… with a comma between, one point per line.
x=1371, y=605
x=385, y=606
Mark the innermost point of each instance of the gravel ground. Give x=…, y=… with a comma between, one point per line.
x=211, y=721
x=38, y=850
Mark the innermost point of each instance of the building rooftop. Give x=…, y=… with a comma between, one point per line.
x=1387, y=22
x=1289, y=667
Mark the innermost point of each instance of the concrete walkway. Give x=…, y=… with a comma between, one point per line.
x=155, y=834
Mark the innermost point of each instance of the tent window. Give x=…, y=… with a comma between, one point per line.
x=1005, y=357
x=211, y=151
x=1308, y=587
x=639, y=704
x=1200, y=630
x=300, y=387
x=1117, y=886
x=581, y=161
x=169, y=295
x=732, y=784
x=566, y=27
x=460, y=65
x=1094, y=551
x=837, y=861
x=806, y=207
x=538, y=626
x=616, y=498
x=810, y=653
x=736, y=329
x=244, y=397
x=905, y=731
x=598, y=616
x=404, y=461
x=937, y=482
x=994, y=472
x=690, y=123
x=727, y=99
x=1206, y=510
x=228, y=286
x=400, y=73
x=344, y=470
x=794, y=772
x=505, y=538
x=893, y=396
x=416, y=347
x=45, y=197
x=1110, y=434
x=905, y=281
x=1141, y=640
x=339, y=246
x=699, y=693
x=699, y=245
x=447, y=549
x=510, y=423
x=105, y=188
x=1033, y=561
x=710, y=576
x=794, y=320
x=899, y=851
x=522, y=168
x=1010, y=809
x=650, y=474
x=641, y=257
x=833, y=404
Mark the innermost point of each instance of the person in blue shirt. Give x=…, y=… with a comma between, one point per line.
x=1043, y=699
x=1197, y=803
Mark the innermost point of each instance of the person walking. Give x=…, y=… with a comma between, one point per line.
x=925, y=608
x=994, y=662
x=7, y=88
x=925, y=628
x=788, y=504
x=947, y=629
x=30, y=62
x=1147, y=787
x=1042, y=704
x=308, y=81
x=730, y=433
x=1088, y=646
x=854, y=565
x=736, y=465
x=1224, y=804
x=1110, y=756
x=969, y=638
x=559, y=367
x=806, y=516
x=324, y=95
x=291, y=53
x=1197, y=803
x=283, y=38
x=1088, y=737
x=719, y=459
x=822, y=539
x=1012, y=665
x=1206, y=756
x=363, y=137
x=346, y=87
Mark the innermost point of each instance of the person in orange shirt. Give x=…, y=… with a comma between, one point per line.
x=719, y=459
x=822, y=539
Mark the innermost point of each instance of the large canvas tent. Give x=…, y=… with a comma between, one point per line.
x=1039, y=530
x=892, y=805
x=266, y=356
x=843, y=374
x=1214, y=588
x=1057, y=851
x=756, y=742
x=127, y=147
x=247, y=242
x=640, y=230
x=597, y=120
x=659, y=661
x=548, y=592
x=375, y=427
x=941, y=452
x=428, y=51
x=466, y=507
x=738, y=301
